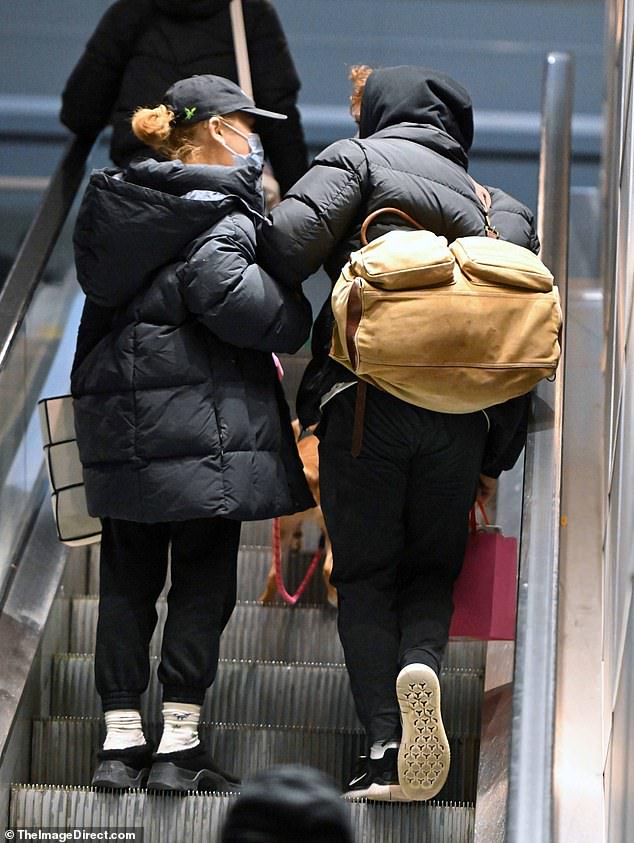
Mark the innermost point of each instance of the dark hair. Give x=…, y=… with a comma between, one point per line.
x=286, y=804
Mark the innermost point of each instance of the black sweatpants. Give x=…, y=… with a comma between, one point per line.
x=397, y=516
x=201, y=598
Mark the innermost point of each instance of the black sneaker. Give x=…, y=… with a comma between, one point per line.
x=189, y=769
x=376, y=778
x=121, y=769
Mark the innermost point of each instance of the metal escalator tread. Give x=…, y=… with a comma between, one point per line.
x=280, y=633
x=271, y=692
x=196, y=818
x=64, y=748
x=283, y=693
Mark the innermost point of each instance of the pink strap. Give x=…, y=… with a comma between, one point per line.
x=277, y=559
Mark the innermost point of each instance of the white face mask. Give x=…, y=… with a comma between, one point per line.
x=255, y=156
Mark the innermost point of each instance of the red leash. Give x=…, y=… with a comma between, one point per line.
x=277, y=558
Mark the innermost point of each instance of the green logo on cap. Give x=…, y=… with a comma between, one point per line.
x=189, y=112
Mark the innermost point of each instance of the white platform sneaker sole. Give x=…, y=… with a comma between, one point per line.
x=378, y=793
x=424, y=756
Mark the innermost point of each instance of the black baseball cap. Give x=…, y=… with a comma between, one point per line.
x=201, y=97
x=288, y=803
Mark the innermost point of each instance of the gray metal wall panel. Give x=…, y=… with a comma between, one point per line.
x=496, y=47
x=618, y=615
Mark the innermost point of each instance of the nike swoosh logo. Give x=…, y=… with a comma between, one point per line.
x=357, y=779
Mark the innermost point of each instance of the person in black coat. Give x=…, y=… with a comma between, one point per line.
x=141, y=47
x=182, y=426
x=397, y=514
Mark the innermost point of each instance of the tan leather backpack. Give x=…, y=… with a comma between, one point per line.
x=451, y=327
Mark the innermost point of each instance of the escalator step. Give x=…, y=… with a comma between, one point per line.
x=254, y=561
x=272, y=632
x=199, y=818
x=273, y=693
x=254, y=564
x=63, y=752
x=281, y=633
x=256, y=533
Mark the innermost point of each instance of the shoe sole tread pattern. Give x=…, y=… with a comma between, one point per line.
x=424, y=754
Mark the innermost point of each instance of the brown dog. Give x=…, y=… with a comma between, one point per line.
x=291, y=526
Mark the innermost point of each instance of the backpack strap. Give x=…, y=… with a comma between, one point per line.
x=394, y=211
x=359, y=418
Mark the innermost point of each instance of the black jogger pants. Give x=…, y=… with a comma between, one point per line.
x=201, y=598
x=397, y=516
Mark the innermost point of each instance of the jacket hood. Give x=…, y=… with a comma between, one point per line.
x=190, y=8
x=133, y=222
x=408, y=94
x=428, y=136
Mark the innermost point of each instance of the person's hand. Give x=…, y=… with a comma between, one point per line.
x=271, y=190
x=486, y=489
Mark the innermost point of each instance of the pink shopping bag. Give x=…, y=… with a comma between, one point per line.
x=485, y=593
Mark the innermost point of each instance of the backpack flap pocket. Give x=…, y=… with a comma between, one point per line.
x=491, y=262
x=404, y=260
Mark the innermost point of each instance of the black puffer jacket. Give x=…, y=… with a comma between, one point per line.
x=141, y=47
x=178, y=409
x=415, y=130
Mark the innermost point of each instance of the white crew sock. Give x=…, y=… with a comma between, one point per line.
x=180, y=727
x=124, y=729
x=377, y=750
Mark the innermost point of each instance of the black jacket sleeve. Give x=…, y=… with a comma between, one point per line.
x=275, y=87
x=316, y=215
x=237, y=300
x=95, y=324
x=93, y=85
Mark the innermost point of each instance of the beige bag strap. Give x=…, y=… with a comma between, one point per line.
x=240, y=47
x=371, y=217
x=241, y=50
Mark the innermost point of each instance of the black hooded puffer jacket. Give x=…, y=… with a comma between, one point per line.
x=141, y=47
x=178, y=409
x=416, y=127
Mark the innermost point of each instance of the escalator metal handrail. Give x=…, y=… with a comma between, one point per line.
x=530, y=800
x=40, y=239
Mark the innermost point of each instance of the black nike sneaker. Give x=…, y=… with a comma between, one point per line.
x=377, y=778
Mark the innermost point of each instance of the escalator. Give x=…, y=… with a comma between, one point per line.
x=282, y=693
x=281, y=696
